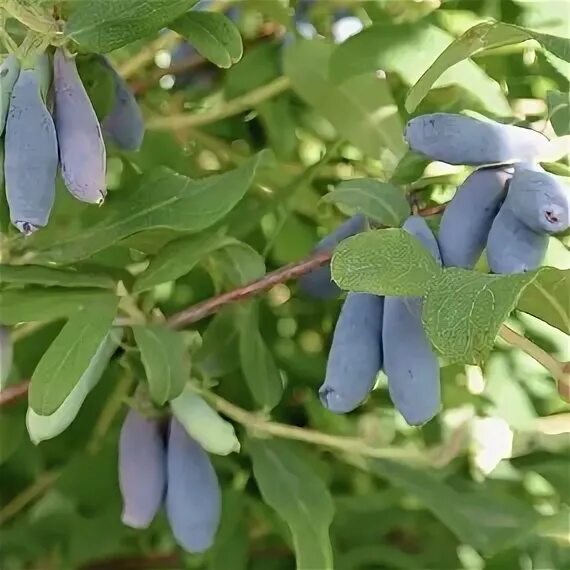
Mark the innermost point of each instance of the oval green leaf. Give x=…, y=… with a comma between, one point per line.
x=213, y=34
x=381, y=201
x=383, y=262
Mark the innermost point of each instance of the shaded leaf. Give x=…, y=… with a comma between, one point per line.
x=380, y=201
x=559, y=111
x=165, y=199
x=547, y=298
x=361, y=109
x=486, y=521
x=165, y=360
x=384, y=262
x=300, y=497
x=40, y=304
x=11, y=431
x=408, y=49
x=177, y=258
x=217, y=355
x=69, y=355
x=238, y=263
x=486, y=35
x=257, y=363
x=230, y=549
x=49, y=276
x=213, y=35
x=105, y=25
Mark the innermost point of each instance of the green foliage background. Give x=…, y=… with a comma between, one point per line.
x=204, y=208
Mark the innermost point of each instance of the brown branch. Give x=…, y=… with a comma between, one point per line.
x=13, y=394
x=432, y=210
x=150, y=562
x=210, y=306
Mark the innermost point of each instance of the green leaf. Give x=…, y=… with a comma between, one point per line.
x=464, y=310
x=41, y=304
x=410, y=168
x=41, y=428
x=164, y=200
x=165, y=360
x=380, y=201
x=105, y=25
x=487, y=521
x=408, y=49
x=486, y=35
x=362, y=109
x=384, y=262
x=275, y=10
x=547, y=298
x=230, y=550
x=214, y=35
x=561, y=66
x=11, y=431
x=217, y=355
x=559, y=111
x=238, y=263
x=299, y=496
x=69, y=355
x=257, y=362
x=177, y=258
x=99, y=84
x=49, y=276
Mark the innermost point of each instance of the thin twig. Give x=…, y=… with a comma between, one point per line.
x=13, y=394
x=210, y=306
x=432, y=210
x=228, y=109
x=20, y=501
x=351, y=445
x=556, y=368
x=199, y=311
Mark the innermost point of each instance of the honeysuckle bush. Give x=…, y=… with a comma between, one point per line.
x=266, y=124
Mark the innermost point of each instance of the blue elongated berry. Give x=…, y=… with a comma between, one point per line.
x=355, y=357
x=539, y=199
x=142, y=469
x=81, y=147
x=457, y=139
x=467, y=219
x=512, y=247
x=30, y=154
x=9, y=71
x=410, y=364
x=193, y=497
x=319, y=283
x=417, y=226
x=125, y=123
